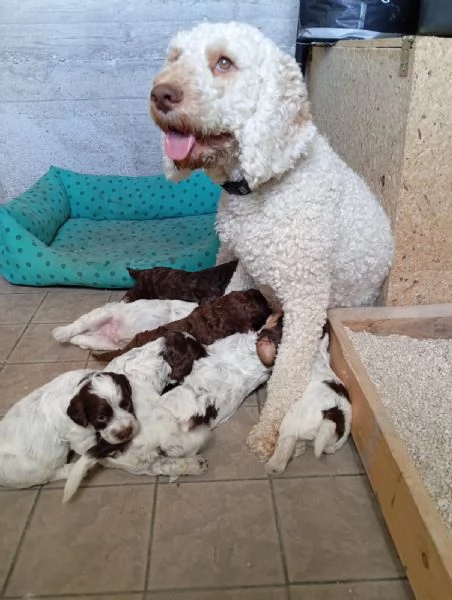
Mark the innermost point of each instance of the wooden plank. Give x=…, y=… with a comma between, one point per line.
x=420, y=535
x=378, y=43
x=420, y=311
x=433, y=328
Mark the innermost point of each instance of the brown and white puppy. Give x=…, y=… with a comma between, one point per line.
x=237, y=312
x=163, y=283
x=68, y=413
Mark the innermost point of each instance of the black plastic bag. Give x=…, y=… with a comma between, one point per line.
x=436, y=17
x=331, y=20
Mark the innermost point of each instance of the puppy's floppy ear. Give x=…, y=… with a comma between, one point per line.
x=280, y=130
x=76, y=410
x=180, y=353
x=123, y=382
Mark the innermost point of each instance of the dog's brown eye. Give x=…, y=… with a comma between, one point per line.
x=224, y=64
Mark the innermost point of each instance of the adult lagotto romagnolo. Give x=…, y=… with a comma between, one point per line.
x=305, y=228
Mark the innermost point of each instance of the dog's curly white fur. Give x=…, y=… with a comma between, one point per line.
x=311, y=231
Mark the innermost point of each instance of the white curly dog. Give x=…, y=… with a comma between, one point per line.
x=306, y=229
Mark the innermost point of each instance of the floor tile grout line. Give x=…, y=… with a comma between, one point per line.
x=25, y=328
x=19, y=544
x=43, y=362
x=199, y=481
x=282, y=551
x=82, y=596
x=347, y=581
x=299, y=584
x=151, y=538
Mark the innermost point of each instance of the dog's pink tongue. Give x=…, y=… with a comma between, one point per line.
x=178, y=145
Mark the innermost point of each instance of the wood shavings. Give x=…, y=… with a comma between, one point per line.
x=414, y=381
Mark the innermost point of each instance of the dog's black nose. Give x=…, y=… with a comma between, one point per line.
x=166, y=96
x=124, y=434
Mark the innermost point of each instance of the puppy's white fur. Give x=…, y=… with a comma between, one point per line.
x=36, y=434
x=112, y=326
x=160, y=430
x=305, y=420
x=223, y=379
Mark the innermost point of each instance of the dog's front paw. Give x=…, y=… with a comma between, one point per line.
x=62, y=333
x=262, y=441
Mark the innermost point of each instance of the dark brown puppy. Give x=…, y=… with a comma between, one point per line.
x=163, y=283
x=237, y=312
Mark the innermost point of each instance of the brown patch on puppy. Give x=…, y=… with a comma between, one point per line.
x=126, y=391
x=104, y=449
x=164, y=283
x=337, y=416
x=205, y=419
x=181, y=351
x=86, y=408
x=237, y=312
x=339, y=388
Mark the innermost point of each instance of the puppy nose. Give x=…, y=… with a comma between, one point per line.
x=166, y=96
x=124, y=434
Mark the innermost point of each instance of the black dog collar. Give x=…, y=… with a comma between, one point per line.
x=237, y=188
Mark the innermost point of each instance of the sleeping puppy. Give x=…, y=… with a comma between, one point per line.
x=237, y=312
x=112, y=326
x=175, y=284
x=323, y=415
x=176, y=425
x=67, y=413
x=163, y=445
x=218, y=383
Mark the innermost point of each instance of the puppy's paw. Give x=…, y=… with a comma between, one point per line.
x=203, y=464
x=62, y=333
x=300, y=448
x=275, y=467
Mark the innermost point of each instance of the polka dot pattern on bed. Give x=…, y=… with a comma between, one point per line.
x=74, y=229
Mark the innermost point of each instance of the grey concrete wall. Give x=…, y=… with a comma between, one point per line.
x=75, y=78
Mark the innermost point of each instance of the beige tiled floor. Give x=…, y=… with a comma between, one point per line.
x=232, y=534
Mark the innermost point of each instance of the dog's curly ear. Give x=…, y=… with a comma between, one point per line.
x=281, y=129
x=76, y=410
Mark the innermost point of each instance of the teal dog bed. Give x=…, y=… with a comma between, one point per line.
x=84, y=230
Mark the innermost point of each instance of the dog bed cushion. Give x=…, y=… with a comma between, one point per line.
x=84, y=230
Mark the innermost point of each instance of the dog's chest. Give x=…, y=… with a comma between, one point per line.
x=246, y=228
